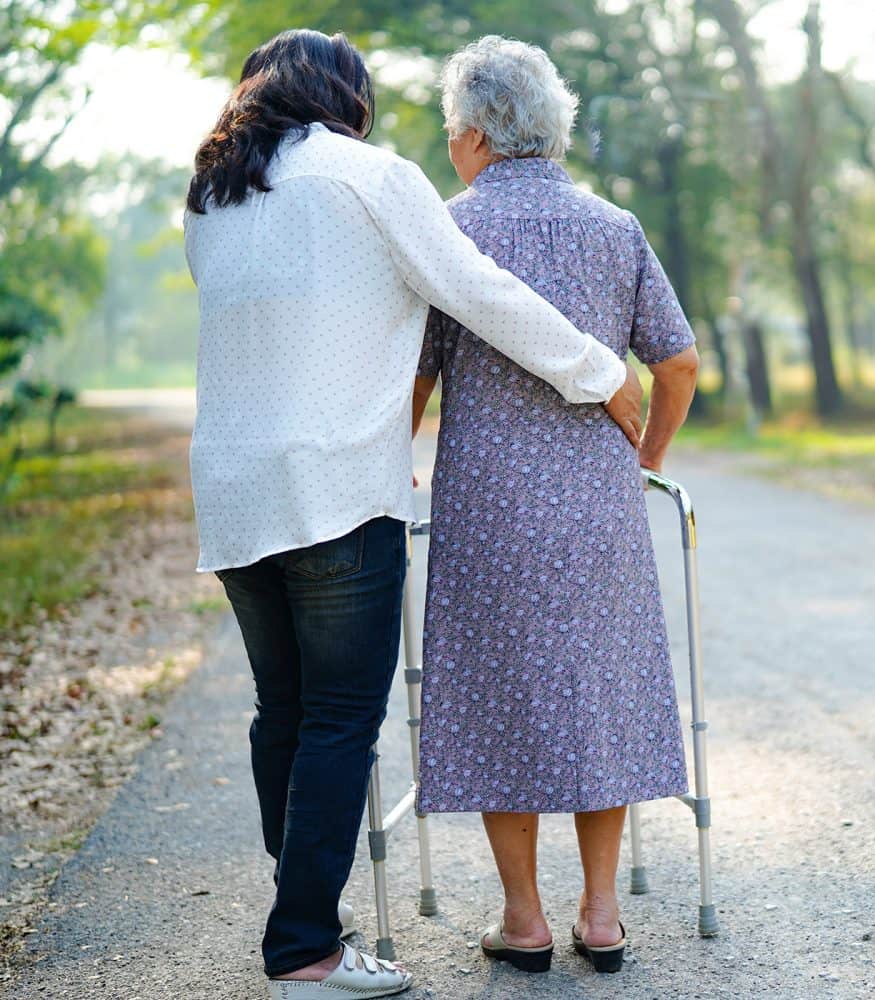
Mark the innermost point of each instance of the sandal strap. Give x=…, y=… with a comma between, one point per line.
x=370, y=963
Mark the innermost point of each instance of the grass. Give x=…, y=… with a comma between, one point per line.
x=62, y=506
x=836, y=459
x=208, y=605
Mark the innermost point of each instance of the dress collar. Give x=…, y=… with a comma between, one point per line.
x=522, y=167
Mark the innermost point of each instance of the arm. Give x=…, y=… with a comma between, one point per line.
x=674, y=382
x=446, y=269
x=422, y=390
x=663, y=340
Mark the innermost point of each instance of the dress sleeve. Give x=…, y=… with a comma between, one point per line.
x=659, y=329
x=431, y=359
x=445, y=268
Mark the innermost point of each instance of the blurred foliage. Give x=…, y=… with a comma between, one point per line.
x=63, y=505
x=743, y=186
x=145, y=322
x=758, y=197
x=52, y=259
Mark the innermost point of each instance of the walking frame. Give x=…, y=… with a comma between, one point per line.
x=380, y=826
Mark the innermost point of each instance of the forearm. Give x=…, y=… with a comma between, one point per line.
x=670, y=400
x=514, y=319
x=445, y=268
x=422, y=390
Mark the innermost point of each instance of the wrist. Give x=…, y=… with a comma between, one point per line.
x=651, y=458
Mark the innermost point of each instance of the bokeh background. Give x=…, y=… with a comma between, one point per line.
x=741, y=134
x=739, y=131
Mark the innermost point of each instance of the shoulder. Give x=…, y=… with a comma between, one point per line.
x=352, y=162
x=604, y=212
x=467, y=208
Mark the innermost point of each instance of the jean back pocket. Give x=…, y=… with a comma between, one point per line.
x=329, y=560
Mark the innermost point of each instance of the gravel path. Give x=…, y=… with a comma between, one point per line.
x=167, y=897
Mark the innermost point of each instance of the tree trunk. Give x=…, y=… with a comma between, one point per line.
x=849, y=302
x=808, y=276
x=677, y=258
x=806, y=262
x=757, y=366
x=718, y=342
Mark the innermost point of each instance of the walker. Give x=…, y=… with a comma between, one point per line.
x=380, y=826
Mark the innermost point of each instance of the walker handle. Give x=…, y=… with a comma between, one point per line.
x=657, y=481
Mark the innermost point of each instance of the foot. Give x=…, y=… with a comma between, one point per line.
x=316, y=972
x=598, y=924
x=321, y=970
x=525, y=928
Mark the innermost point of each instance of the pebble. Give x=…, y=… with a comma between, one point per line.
x=830, y=977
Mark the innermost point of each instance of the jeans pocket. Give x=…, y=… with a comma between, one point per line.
x=329, y=560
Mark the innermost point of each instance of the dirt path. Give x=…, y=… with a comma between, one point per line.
x=167, y=897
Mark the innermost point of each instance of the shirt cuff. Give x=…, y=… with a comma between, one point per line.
x=615, y=377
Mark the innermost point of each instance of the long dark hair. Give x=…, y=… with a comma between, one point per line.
x=296, y=78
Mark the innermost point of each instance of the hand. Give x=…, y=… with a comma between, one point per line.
x=624, y=407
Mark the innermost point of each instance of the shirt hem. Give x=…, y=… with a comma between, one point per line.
x=288, y=546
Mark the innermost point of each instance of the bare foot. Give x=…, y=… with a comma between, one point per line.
x=598, y=924
x=525, y=928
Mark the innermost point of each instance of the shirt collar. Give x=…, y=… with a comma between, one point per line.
x=522, y=167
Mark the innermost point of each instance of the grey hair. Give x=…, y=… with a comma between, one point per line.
x=512, y=93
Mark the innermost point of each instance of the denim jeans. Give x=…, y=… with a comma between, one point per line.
x=321, y=628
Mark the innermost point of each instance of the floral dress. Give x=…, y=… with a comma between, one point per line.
x=548, y=683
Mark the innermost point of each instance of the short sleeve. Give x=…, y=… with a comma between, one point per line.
x=432, y=357
x=659, y=329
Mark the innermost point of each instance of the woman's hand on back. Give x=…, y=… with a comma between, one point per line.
x=624, y=407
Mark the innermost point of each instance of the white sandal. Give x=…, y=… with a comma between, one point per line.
x=370, y=977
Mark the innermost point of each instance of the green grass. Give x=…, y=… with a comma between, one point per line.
x=208, y=605
x=838, y=460
x=62, y=507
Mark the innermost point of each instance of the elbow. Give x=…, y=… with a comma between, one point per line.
x=683, y=369
x=689, y=364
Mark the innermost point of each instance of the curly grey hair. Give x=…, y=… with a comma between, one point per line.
x=512, y=93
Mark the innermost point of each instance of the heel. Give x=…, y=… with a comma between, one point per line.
x=535, y=961
x=607, y=961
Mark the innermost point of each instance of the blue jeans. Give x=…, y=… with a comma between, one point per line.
x=321, y=627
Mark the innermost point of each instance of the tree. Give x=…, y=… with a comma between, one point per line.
x=790, y=165
x=51, y=259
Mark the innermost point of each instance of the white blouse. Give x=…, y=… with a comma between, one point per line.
x=313, y=302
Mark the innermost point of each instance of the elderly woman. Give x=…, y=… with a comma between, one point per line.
x=548, y=685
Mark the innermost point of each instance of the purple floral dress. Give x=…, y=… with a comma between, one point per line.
x=548, y=684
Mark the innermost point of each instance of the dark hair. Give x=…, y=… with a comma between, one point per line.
x=296, y=78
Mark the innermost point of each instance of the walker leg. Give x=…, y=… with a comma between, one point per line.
x=413, y=679
x=377, y=842
x=638, y=885
x=702, y=803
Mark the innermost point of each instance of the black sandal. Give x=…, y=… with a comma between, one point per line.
x=604, y=959
x=525, y=959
